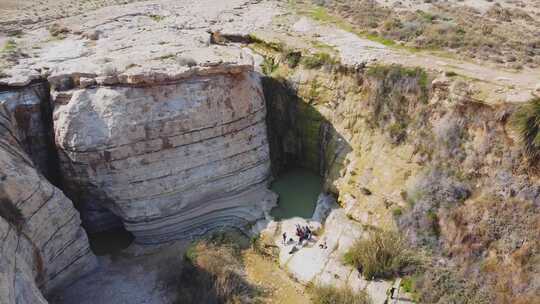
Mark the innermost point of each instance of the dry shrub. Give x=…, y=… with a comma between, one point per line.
x=383, y=254
x=58, y=30
x=495, y=242
x=526, y=121
x=214, y=274
x=446, y=286
x=494, y=36
x=334, y=295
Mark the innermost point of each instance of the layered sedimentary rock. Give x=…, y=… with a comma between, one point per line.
x=159, y=125
x=32, y=124
x=168, y=159
x=42, y=244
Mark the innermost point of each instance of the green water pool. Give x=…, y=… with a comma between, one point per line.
x=298, y=190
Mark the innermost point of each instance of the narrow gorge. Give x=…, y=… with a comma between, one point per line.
x=168, y=121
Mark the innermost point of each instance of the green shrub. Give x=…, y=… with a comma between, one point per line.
x=12, y=214
x=398, y=132
x=10, y=46
x=383, y=254
x=268, y=45
x=318, y=60
x=293, y=58
x=269, y=65
x=526, y=121
x=157, y=18
x=395, y=71
x=407, y=284
x=334, y=295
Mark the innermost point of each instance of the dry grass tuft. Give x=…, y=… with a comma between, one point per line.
x=384, y=254
x=214, y=273
x=334, y=295
x=526, y=120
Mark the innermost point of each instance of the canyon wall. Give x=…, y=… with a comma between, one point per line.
x=43, y=245
x=171, y=160
x=415, y=151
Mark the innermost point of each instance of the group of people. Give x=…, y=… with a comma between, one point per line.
x=303, y=233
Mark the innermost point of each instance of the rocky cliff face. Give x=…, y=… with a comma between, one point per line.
x=415, y=151
x=170, y=160
x=43, y=245
x=158, y=126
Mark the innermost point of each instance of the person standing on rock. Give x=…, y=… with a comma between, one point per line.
x=284, y=238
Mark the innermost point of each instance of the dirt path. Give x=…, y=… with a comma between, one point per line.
x=492, y=84
x=266, y=273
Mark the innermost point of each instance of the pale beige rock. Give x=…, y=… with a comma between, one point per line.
x=169, y=159
x=50, y=249
x=309, y=263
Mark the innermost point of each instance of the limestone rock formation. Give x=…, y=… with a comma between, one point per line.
x=168, y=159
x=158, y=125
x=42, y=243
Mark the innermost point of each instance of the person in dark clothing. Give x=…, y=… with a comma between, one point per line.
x=284, y=238
x=392, y=292
x=308, y=233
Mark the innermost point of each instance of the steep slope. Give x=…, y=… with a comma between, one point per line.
x=43, y=245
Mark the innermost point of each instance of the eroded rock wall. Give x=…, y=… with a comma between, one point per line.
x=43, y=245
x=32, y=120
x=171, y=160
x=424, y=156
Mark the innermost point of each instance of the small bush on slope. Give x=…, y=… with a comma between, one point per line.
x=333, y=295
x=318, y=60
x=383, y=254
x=526, y=120
x=214, y=274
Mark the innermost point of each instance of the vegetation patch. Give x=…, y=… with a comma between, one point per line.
x=498, y=35
x=269, y=65
x=334, y=295
x=397, y=99
x=383, y=254
x=214, y=273
x=58, y=30
x=438, y=284
x=395, y=72
x=263, y=44
x=526, y=121
x=318, y=60
x=157, y=18
x=10, y=46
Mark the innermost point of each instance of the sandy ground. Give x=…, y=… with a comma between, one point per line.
x=137, y=275
x=150, y=275
x=265, y=273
